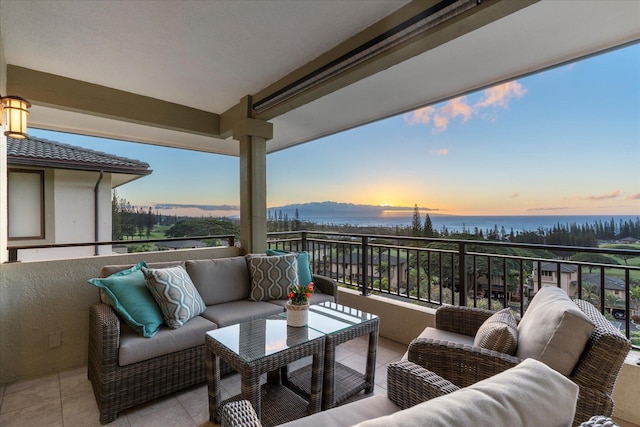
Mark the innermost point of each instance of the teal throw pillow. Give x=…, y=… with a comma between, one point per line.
x=127, y=293
x=304, y=264
x=175, y=293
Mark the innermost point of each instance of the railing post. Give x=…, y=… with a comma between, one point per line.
x=365, y=265
x=303, y=236
x=232, y=240
x=462, y=272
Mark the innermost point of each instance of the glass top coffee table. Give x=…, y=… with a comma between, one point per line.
x=263, y=346
x=340, y=324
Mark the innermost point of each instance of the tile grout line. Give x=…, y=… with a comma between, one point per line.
x=175, y=395
x=60, y=395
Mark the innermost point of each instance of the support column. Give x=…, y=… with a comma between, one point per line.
x=252, y=135
x=4, y=210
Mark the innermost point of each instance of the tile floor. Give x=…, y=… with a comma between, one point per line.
x=65, y=399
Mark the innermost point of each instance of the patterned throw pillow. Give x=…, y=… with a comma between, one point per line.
x=305, y=276
x=175, y=293
x=499, y=333
x=271, y=276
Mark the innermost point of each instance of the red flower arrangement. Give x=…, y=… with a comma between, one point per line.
x=299, y=295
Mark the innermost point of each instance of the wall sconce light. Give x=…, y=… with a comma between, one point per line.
x=17, y=110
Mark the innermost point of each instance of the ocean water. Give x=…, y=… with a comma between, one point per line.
x=458, y=223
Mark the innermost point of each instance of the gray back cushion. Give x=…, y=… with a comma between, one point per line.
x=220, y=280
x=108, y=270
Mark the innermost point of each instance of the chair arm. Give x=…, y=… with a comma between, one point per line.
x=104, y=335
x=590, y=402
x=461, y=320
x=409, y=384
x=239, y=413
x=461, y=364
x=603, y=355
x=326, y=285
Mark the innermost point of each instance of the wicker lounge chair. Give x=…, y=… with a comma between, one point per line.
x=417, y=396
x=462, y=364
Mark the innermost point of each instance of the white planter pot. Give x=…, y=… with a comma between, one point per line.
x=297, y=315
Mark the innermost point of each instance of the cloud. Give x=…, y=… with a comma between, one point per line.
x=420, y=116
x=634, y=196
x=440, y=123
x=514, y=195
x=458, y=107
x=558, y=208
x=440, y=151
x=440, y=117
x=613, y=195
x=501, y=95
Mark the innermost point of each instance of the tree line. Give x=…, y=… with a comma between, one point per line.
x=573, y=234
x=128, y=222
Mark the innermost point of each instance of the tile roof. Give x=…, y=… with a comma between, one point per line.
x=610, y=282
x=33, y=151
x=553, y=266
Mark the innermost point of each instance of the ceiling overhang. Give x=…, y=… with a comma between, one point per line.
x=350, y=77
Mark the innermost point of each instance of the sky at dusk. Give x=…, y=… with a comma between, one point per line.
x=562, y=142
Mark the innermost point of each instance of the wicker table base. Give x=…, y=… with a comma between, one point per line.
x=279, y=405
x=340, y=382
x=259, y=347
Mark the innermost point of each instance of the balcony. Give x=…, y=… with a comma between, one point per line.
x=49, y=296
x=486, y=274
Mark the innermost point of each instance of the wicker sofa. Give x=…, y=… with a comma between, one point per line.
x=448, y=350
x=126, y=369
x=529, y=394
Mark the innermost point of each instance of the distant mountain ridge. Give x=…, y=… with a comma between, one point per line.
x=339, y=209
x=320, y=210
x=163, y=206
x=310, y=207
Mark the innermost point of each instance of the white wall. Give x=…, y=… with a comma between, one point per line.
x=73, y=206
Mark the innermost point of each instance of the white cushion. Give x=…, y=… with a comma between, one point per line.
x=442, y=335
x=346, y=415
x=529, y=394
x=553, y=330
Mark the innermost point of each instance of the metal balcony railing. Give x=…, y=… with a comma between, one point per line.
x=14, y=249
x=483, y=274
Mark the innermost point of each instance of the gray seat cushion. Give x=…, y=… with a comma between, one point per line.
x=234, y=312
x=135, y=348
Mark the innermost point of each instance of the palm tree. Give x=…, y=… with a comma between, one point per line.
x=590, y=292
x=611, y=300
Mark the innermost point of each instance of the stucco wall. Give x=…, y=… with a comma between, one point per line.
x=625, y=393
x=399, y=321
x=37, y=298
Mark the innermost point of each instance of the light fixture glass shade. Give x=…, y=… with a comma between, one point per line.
x=15, y=112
